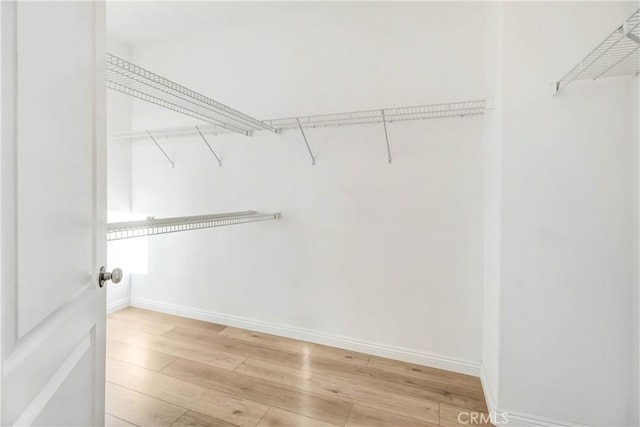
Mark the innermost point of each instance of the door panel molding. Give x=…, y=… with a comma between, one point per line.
x=56, y=159
x=32, y=371
x=8, y=176
x=37, y=338
x=49, y=389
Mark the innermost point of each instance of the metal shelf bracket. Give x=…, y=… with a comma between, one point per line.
x=386, y=136
x=209, y=146
x=313, y=159
x=161, y=150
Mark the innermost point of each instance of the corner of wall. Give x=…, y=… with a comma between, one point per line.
x=118, y=305
x=119, y=119
x=492, y=207
x=635, y=393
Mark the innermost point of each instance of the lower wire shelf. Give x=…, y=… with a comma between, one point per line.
x=154, y=226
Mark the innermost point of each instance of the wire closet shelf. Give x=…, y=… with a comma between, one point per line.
x=618, y=55
x=153, y=226
x=388, y=115
x=128, y=78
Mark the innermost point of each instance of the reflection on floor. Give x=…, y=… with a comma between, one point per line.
x=164, y=370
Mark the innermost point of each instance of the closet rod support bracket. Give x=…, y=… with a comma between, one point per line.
x=313, y=159
x=161, y=150
x=209, y=146
x=386, y=136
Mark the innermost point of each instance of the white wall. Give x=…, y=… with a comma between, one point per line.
x=119, y=117
x=568, y=289
x=388, y=254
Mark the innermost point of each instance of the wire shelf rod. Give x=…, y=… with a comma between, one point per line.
x=134, y=82
x=423, y=112
x=153, y=226
x=123, y=74
x=171, y=106
x=389, y=115
x=149, y=78
x=617, y=55
x=614, y=64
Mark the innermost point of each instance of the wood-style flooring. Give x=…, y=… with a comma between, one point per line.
x=165, y=370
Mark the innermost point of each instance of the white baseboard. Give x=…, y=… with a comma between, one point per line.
x=406, y=355
x=519, y=419
x=504, y=417
x=118, y=305
x=488, y=395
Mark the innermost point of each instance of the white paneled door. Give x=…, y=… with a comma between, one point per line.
x=53, y=213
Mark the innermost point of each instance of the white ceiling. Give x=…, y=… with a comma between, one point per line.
x=140, y=22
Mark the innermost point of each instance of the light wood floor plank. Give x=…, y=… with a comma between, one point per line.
x=306, y=348
x=333, y=411
x=424, y=372
x=441, y=383
x=140, y=409
x=140, y=314
x=452, y=416
x=196, y=419
x=276, y=417
x=216, y=404
x=138, y=356
x=234, y=346
x=181, y=349
x=111, y=421
x=330, y=386
x=368, y=376
x=362, y=416
x=152, y=328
